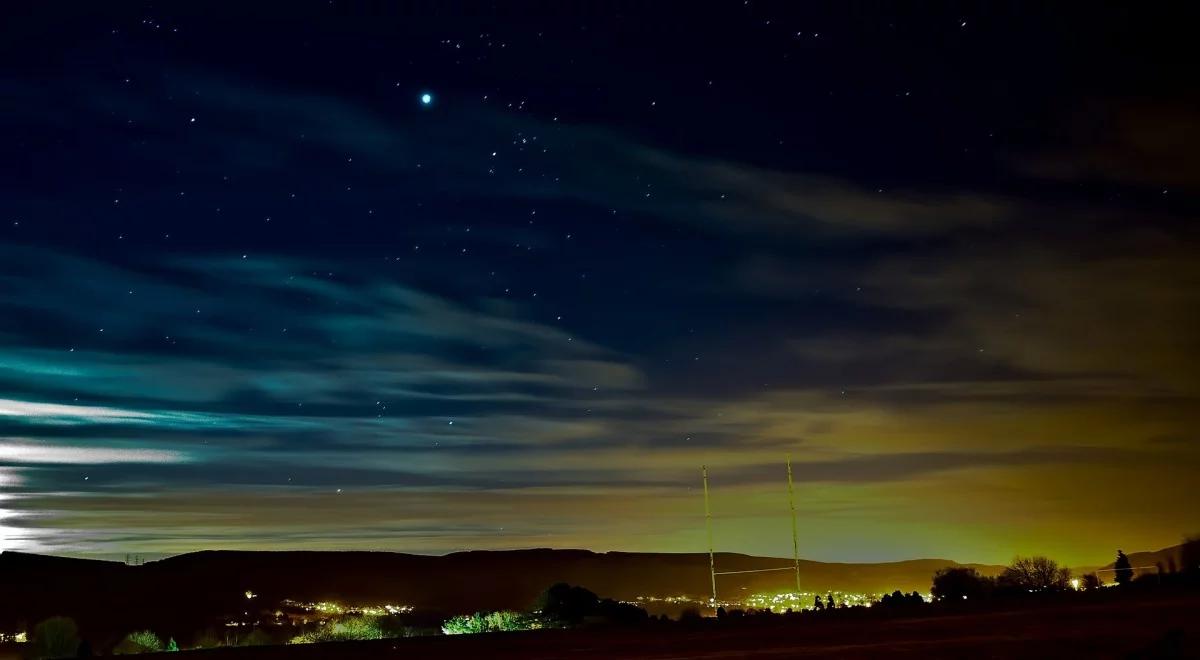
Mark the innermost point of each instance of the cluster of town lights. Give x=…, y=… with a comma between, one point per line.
x=778, y=602
x=332, y=608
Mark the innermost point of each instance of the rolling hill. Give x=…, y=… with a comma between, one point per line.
x=203, y=585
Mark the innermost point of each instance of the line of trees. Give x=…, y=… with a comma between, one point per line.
x=1023, y=576
x=1026, y=575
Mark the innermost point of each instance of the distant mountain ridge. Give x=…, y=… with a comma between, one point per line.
x=1145, y=561
x=420, y=579
x=215, y=581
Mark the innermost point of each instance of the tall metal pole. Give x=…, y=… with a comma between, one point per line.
x=712, y=570
x=795, y=541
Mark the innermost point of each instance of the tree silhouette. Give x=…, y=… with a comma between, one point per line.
x=1189, y=555
x=56, y=637
x=1122, y=569
x=565, y=603
x=1035, y=574
x=1091, y=581
x=959, y=583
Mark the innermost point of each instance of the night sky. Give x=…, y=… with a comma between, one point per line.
x=258, y=291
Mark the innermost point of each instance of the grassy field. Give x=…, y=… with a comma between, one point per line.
x=1147, y=627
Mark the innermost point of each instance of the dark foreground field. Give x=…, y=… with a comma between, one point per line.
x=1148, y=627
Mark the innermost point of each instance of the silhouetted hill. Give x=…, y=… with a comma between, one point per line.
x=1143, y=562
x=458, y=581
x=204, y=585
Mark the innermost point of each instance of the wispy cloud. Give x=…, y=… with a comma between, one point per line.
x=901, y=342
x=18, y=450
x=538, y=163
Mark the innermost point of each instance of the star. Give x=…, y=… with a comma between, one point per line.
x=426, y=99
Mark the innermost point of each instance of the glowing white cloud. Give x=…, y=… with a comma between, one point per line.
x=36, y=412
x=62, y=412
x=21, y=451
x=8, y=479
x=11, y=538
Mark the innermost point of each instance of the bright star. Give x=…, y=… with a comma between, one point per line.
x=426, y=98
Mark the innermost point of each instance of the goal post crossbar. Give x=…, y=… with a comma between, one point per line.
x=754, y=570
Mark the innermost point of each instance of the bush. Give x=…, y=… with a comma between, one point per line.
x=56, y=637
x=482, y=622
x=257, y=637
x=350, y=628
x=209, y=639
x=142, y=641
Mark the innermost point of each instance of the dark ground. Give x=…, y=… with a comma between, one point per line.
x=1147, y=626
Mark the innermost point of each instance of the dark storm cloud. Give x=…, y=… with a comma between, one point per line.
x=1118, y=317
x=913, y=465
x=274, y=469
x=1139, y=144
